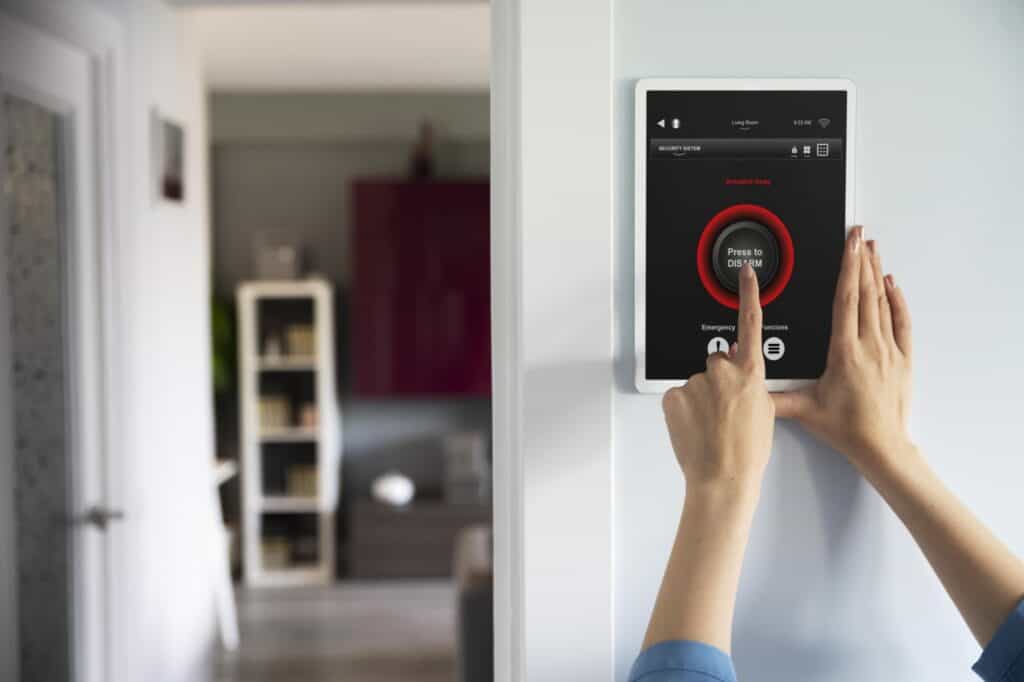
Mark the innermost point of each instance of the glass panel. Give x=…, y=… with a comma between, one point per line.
x=35, y=272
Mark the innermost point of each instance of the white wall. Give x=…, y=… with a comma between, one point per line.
x=833, y=588
x=163, y=436
x=164, y=579
x=551, y=250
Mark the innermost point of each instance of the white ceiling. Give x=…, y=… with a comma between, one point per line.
x=345, y=46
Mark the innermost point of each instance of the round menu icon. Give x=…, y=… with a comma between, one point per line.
x=774, y=348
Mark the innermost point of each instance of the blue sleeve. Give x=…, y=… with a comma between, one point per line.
x=1003, y=658
x=682, y=662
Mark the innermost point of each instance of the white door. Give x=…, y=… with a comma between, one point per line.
x=52, y=454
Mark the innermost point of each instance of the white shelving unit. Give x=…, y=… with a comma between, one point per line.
x=255, y=365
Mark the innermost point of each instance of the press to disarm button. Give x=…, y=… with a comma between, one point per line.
x=745, y=241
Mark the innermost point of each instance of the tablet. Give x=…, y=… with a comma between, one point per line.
x=732, y=171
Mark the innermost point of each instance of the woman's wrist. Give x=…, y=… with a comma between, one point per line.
x=723, y=498
x=899, y=463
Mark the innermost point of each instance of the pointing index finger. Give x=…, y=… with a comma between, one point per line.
x=749, y=325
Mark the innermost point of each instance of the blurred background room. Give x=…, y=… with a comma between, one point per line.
x=350, y=220
x=313, y=181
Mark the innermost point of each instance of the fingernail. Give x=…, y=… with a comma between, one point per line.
x=746, y=270
x=855, y=238
x=871, y=246
x=890, y=282
x=733, y=349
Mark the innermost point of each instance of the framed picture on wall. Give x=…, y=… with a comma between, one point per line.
x=168, y=159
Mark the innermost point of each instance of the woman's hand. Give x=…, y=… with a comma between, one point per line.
x=721, y=422
x=860, y=408
x=721, y=425
x=860, y=404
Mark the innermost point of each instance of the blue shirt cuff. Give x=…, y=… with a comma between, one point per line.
x=683, y=661
x=1003, y=658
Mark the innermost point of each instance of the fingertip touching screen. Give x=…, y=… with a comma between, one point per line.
x=732, y=177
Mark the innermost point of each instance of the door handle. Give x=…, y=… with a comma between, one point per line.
x=99, y=517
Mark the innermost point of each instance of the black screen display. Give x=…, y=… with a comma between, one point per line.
x=736, y=177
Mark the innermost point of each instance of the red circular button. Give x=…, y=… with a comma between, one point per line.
x=715, y=226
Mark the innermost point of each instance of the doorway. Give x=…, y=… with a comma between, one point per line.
x=351, y=268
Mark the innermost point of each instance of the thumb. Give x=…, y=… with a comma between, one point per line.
x=792, y=404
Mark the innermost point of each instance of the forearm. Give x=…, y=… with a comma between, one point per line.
x=698, y=592
x=982, y=576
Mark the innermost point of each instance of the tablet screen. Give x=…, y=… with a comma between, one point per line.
x=734, y=177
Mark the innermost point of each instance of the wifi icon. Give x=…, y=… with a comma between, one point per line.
x=823, y=122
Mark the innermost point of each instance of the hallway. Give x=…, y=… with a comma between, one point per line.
x=370, y=632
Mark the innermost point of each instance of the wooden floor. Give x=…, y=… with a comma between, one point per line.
x=365, y=632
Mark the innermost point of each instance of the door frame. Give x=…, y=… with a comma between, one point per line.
x=553, y=342
x=9, y=626
x=87, y=28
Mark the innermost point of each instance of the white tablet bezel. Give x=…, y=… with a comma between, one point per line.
x=646, y=85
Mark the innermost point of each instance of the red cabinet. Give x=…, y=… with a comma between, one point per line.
x=421, y=290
